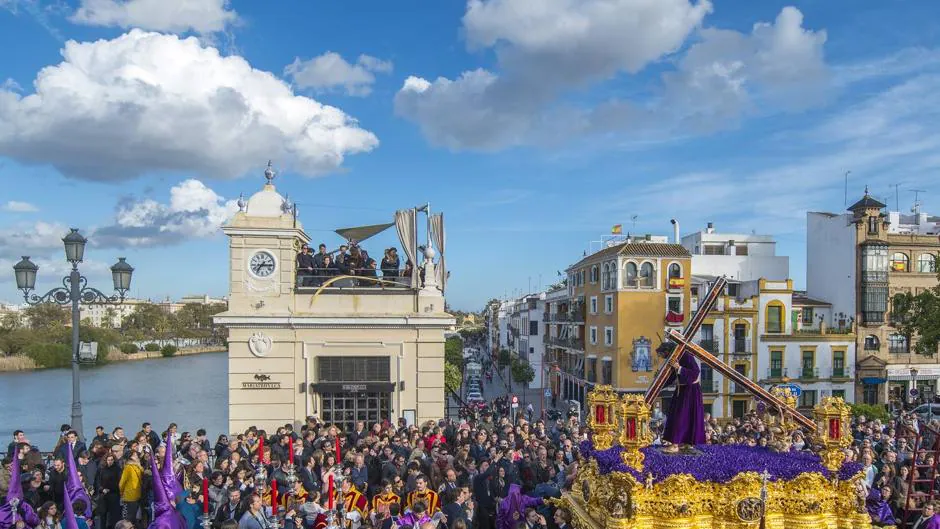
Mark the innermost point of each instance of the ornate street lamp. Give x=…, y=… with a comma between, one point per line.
x=74, y=291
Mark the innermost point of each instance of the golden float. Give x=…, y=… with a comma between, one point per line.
x=625, y=483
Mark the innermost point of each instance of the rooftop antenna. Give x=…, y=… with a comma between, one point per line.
x=633, y=219
x=845, y=201
x=917, y=203
x=897, y=196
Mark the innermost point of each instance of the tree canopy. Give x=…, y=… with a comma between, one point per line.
x=917, y=317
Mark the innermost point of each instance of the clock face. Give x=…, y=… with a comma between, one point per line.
x=262, y=264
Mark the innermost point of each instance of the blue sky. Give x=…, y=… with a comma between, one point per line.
x=534, y=126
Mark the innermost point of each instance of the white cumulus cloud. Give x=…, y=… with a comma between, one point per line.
x=193, y=211
x=547, y=51
x=177, y=16
x=331, y=71
x=144, y=102
x=37, y=238
x=17, y=206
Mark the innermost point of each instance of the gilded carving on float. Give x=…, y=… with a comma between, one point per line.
x=602, y=419
x=632, y=485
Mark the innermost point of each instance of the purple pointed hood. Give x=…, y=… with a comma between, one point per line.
x=165, y=516
x=74, y=483
x=9, y=512
x=16, y=485
x=68, y=518
x=170, y=482
x=161, y=501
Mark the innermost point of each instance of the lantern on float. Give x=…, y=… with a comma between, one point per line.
x=636, y=434
x=832, y=428
x=602, y=416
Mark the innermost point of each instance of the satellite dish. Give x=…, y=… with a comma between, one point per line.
x=611, y=243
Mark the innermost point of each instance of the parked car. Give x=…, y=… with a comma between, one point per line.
x=927, y=412
x=474, y=396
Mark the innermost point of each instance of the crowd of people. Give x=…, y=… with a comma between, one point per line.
x=314, y=269
x=486, y=474
x=493, y=470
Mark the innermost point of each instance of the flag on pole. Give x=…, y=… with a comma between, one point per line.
x=617, y=229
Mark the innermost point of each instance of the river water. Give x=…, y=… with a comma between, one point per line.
x=188, y=390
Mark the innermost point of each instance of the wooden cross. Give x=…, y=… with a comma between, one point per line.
x=659, y=382
x=751, y=386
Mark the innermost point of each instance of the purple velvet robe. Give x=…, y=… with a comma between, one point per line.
x=879, y=509
x=685, y=421
x=514, y=503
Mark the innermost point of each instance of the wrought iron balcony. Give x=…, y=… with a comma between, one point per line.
x=709, y=386
x=741, y=346
x=709, y=345
x=777, y=373
x=843, y=372
x=809, y=373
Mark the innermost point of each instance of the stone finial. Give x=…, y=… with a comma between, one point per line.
x=241, y=203
x=269, y=173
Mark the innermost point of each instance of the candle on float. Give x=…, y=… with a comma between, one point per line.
x=290, y=450
x=261, y=450
x=339, y=457
x=205, y=496
x=329, y=492
x=274, y=496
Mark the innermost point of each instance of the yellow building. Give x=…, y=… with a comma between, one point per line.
x=621, y=300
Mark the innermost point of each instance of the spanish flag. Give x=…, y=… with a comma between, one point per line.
x=617, y=229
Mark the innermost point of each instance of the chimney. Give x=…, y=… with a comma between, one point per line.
x=675, y=230
x=710, y=228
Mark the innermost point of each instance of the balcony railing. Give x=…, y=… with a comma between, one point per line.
x=570, y=343
x=332, y=280
x=709, y=345
x=777, y=372
x=741, y=346
x=809, y=373
x=899, y=349
x=738, y=388
x=874, y=277
x=842, y=372
x=709, y=386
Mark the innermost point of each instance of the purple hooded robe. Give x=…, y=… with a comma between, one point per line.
x=15, y=507
x=164, y=515
x=878, y=508
x=512, y=509
x=170, y=481
x=685, y=421
x=68, y=515
x=74, y=484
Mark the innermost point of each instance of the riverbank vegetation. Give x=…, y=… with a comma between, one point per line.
x=41, y=336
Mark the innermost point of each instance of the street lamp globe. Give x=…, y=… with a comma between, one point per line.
x=121, y=273
x=913, y=372
x=74, y=246
x=25, y=272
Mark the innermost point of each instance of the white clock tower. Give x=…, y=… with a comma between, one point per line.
x=345, y=351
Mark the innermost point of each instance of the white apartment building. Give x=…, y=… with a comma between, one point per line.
x=736, y=256
x=526, y=332
x=757, y=325
x=859, y=261
x=801, y=342
x=112, y=316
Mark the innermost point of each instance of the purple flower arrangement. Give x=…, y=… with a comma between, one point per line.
x=717, y=463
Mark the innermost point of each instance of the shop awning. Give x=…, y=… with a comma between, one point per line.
x=872, y=381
